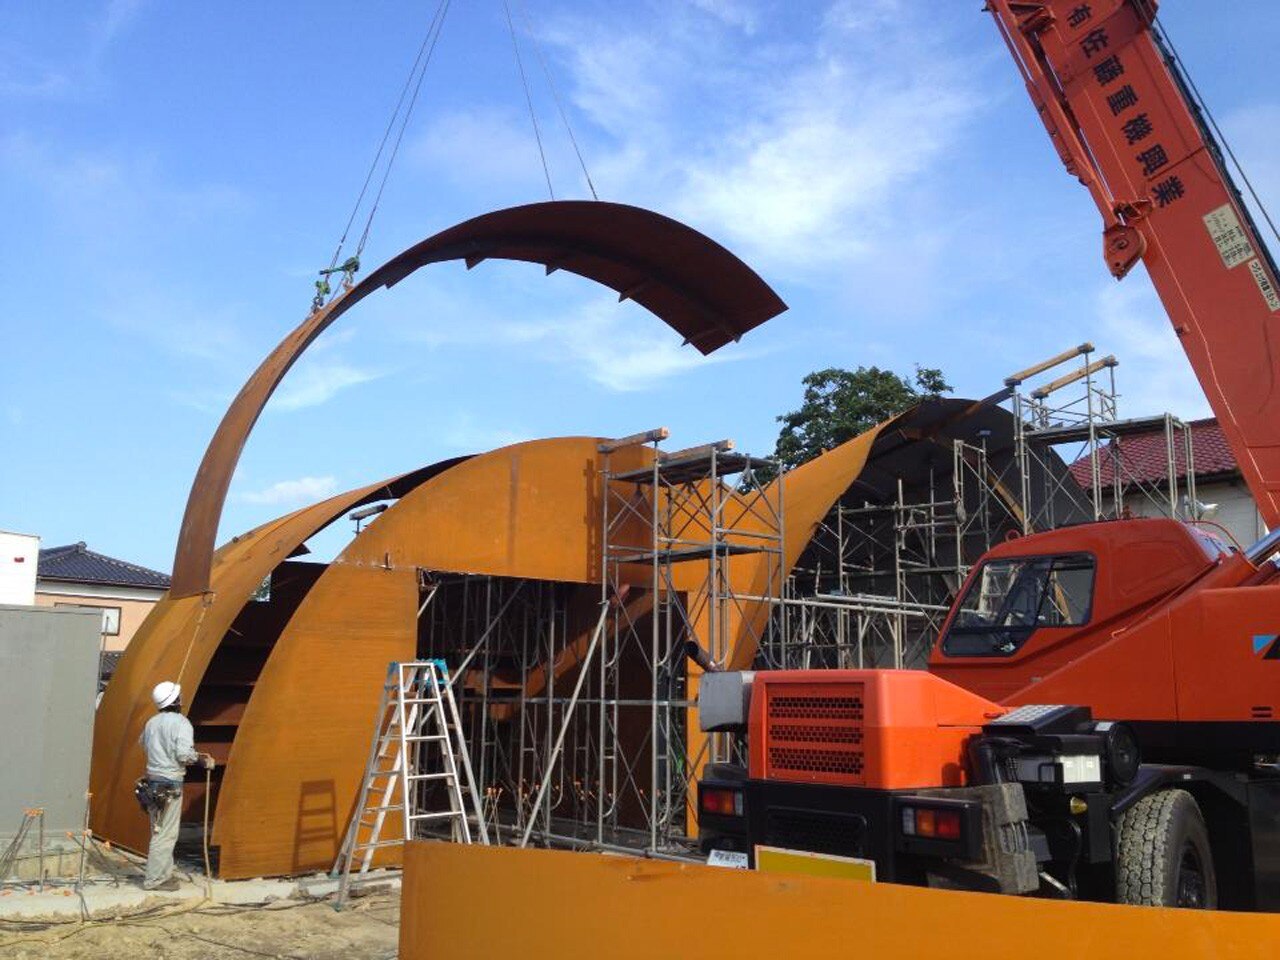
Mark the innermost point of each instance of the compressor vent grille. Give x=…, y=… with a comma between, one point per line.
x=816, y=736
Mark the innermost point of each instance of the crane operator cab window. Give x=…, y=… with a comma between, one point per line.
x=1009, y=599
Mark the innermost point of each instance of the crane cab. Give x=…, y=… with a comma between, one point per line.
x=1034, y=604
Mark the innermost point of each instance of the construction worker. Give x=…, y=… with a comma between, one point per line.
x=169, y=741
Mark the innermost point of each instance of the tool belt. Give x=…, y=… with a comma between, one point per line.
x=153, y=795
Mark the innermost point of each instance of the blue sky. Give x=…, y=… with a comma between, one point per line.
x=172, y=174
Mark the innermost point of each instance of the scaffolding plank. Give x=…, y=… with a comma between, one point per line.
x=691, y=469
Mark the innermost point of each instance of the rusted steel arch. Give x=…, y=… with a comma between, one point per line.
x=529, y=510
x=179, y=638
x=686, y=279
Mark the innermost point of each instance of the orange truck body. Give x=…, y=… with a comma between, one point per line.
x=887, y=729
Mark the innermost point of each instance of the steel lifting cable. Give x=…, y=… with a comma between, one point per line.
x=442, y=10
x=528, y=97
x=413, y=82
x=555, y=95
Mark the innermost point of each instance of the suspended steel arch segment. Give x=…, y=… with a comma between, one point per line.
x=683, y=277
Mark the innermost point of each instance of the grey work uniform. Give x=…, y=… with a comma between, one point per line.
x=169, y=741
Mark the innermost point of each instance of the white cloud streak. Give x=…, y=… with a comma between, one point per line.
x=800, y=156
x=292, y=493
x=318, y=382
x=1154, y=375
x=82, y=73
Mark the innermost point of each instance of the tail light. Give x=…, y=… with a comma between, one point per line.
x=721, y=801
x=932, y=823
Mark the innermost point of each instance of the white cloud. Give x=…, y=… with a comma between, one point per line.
x=105, y=197
x=292, y=493
x=315, y=381
x=800, y=156
x=1154, y=375
x=482, y=145
x=81, y=75
x=1254, y=133
x=462, y=433
x=861, y=15
x=612, y=346
x=735, y=13
x=116, y=17
x=22, y=78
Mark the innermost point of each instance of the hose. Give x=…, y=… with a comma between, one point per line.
x=204, y=837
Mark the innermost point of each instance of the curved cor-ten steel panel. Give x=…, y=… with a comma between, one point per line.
x=531, y=510
x=177, y=641
x=689, y=281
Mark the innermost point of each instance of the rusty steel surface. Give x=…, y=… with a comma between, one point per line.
x=692, y=283
x=531, y=510
x=562, y=904
x=295, y=766
x=528, y=510
x=176, y=642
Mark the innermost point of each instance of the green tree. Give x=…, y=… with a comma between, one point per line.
x=840, y=404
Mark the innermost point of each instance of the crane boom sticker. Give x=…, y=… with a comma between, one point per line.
x=1228, y=236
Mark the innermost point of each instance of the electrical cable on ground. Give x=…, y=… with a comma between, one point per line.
x=555, y=95
x=528, y=97
x=154, y=915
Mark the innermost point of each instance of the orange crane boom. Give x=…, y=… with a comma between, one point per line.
x=1121, y=117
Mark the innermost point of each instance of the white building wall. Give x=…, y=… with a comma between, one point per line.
x=1236, y=510
x=19, y=558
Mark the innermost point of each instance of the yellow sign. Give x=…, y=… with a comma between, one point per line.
x=777, y=860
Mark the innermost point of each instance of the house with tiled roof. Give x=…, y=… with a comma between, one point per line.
x=1223, y=496
x=75, y=576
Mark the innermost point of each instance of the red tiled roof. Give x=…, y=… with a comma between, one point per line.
x=1143, y=457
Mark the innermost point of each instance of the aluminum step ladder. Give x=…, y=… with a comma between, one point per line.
x=417, y=746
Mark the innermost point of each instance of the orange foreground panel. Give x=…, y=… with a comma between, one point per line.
x=551, y=903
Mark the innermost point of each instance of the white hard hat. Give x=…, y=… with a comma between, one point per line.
x=166, y=693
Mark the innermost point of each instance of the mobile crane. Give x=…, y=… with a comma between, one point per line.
x=1101, y=714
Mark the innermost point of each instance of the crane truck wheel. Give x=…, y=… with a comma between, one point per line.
x=1163, y=857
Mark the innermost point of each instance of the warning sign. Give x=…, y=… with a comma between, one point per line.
x=1268, y=288
x=1228, y=236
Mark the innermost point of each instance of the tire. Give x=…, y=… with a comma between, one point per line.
x=1163, y=858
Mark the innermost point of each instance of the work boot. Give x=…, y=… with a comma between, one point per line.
x=168, y=886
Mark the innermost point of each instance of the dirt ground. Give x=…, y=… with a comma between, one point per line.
x=367, y=929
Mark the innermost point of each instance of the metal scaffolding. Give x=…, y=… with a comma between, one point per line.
x=877, y=579
x=1076, y=417
x=875, y=583
x=575, y=696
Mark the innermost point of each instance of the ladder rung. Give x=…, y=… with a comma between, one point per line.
x=398, y=806
x=431, y=736
x=431, y=776
x=436, y=816
x=380, y=843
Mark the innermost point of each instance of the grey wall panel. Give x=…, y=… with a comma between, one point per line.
x=48, y=687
